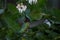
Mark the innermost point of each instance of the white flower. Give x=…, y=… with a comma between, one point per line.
x=47, y=22
x=32, y=1
x=21, y=8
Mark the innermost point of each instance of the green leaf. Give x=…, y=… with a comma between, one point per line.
x=12, y=8
x=1, y=11
x=24, y=27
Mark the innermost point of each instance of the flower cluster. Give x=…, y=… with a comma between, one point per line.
x=32, y=1
x=21, y=7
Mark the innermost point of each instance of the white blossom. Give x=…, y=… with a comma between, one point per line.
x=47, y=22
x=32, y=1
x=21, y=8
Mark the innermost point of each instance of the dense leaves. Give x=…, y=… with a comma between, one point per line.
x=15, y=26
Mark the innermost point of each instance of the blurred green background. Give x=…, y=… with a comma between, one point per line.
x=10, y=27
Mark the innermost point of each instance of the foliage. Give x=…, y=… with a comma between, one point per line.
x=10, y=28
